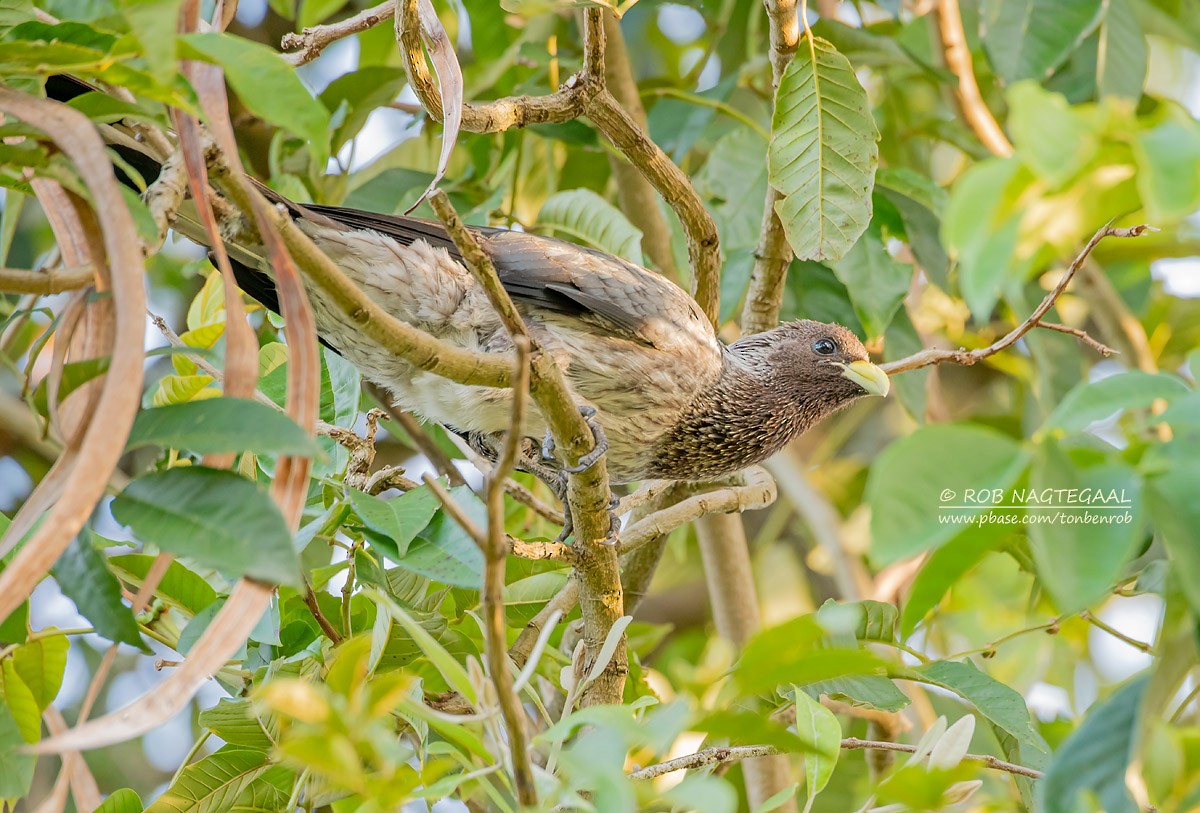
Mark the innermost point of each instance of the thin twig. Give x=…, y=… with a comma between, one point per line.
x=495, y=557
x=417, y=434
x=729, y=753
x=515, y=490
x=1140, y=646
x=556, y=610
x=327, y=627
x=312, y=41
x=477, y=534
x=934, y=355
x=854, y=744
x=1082, y=335
x=164, y=196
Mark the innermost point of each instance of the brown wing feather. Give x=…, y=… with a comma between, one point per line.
x=551, y=275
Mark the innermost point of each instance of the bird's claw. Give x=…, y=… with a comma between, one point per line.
x=611, y=537
x=599, y=447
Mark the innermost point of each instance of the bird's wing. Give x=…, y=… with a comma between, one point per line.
x=554, y=277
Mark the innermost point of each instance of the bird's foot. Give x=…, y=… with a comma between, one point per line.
x=611, y=537
x=599, y=447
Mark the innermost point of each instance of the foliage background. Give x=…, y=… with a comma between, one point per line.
x=1099, y=100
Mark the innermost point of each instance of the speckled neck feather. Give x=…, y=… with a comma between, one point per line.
x=743, y=419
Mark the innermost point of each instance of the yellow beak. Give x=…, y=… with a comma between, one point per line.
x=868, y=376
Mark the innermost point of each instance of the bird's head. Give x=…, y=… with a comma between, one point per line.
x=817, y=360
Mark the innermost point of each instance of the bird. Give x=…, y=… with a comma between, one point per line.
x=668, y=400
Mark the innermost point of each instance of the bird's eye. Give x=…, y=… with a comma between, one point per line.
x=824, y=347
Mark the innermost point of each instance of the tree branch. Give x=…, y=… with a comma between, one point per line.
x=582, y=94
x=495, y=116
x=633, y=190
x=773, y=254
x=587, y=491
x=958, y=60
x=312, y=41
x=729, y=753
x=50, y=281
x=758, y=491
x=703, y=242
x=934, y=355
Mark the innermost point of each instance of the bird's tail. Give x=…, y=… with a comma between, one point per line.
x=247, y=259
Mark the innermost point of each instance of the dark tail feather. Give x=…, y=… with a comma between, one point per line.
x=64, y=88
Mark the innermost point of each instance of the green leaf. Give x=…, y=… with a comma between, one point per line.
x=177, y=389
x=794, y=652
x=16, y=766
x=180, y=588
x=70, y=31
x=876, y=281
x=777, y=800
x=1167, y=180
x=873, y=621
x=268, y=793
x=1033, y=113
x=1028, y=39
x=74, y=375
x=981, y=229
x=994, y=700
x=154, y=23
x=315, y=11
x=734, y=179
x=1123, y=55
x=450, y=669
x=944, y=567
x=445, y=552
x=1080, y=552
x=220, y=425
x=395, y=523
x=919, y=202
x=1175, y=512
x=13, y=13
x=913, y=482
x=41, y=665
x=267, y=85
x=873, y=691
x=124, y=800
x=362, y=92
x=235, y=722
x=1095, y=756
x=822, y=156
x=84, y=577
x=211, y=784
x=215, y=517
x=191, y=633
x=816, y=723
x=21, y=703
x=1094, y=401
x=584, y=215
